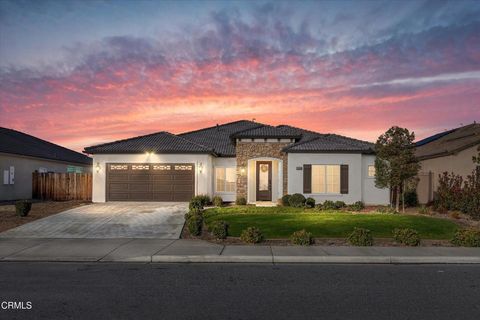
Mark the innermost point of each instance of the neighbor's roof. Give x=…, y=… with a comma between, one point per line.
x=447, y=143
x=220, y=140
x=16, y=142
x=160, y=142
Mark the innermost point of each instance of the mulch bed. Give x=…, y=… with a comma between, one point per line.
x=9, y=219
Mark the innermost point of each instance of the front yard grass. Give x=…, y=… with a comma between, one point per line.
x=281, y=222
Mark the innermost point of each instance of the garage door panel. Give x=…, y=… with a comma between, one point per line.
x=150, y=182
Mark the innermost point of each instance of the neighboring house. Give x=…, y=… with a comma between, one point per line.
x=22, y=154
x=237, y=159
x=449, y=151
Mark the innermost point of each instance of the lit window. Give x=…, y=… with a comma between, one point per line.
x=141, y=167
x=161, y=167
x=183, y=167
x=325, y=179
x=371, y=171
x=118, y=167
x=225, y=179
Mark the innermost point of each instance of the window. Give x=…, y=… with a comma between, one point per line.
x=140, y=167
x=225, y=179
x=325, y=179
x=371, y=171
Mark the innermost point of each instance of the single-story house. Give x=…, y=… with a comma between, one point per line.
x=239, y=159
x=449, y=151
x=22, y=154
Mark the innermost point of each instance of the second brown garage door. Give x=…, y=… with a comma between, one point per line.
x=150, y=181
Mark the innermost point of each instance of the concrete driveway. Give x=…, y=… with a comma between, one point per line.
x=160, y=220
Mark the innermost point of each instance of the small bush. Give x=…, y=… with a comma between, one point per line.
x=196, y=204
x=23, y=207
x=454, y=215
x=204, y=199
x=217, y=201
x=192, y=213
x=386, y=209
x=340, y=204
x=241, y=201
x=406, y=236
x=194, y=224
x=310, y=203
x=302, y=238
x=357, y=206
x=467, y=238
x=319, y=207
x=251, y=235
x=297, y=200
x=360, y=237
x=286, y=200
x=411, y=198
x=219, y=229
x=329, y=205
x=424, y=210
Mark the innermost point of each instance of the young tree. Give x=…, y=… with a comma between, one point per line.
x=395, y=161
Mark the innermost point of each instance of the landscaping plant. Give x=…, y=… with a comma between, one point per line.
x=467, y=238
x=194, y=224
x=357, y=206
x=251, y=235
x=424, y=210
x=406, y=236
x=241, y=201
x=310, y=203
x=301, y=238
x=217, y=201
x=411, y=198
x=23, y=207
x=297, y=200
x=360, y=237
x=340, y=205
x=196, y=204
x=329, y=205
x=286, y=200
x=219, y=229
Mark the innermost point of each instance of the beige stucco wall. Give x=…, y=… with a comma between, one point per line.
x=460, y=163
x=24, y=167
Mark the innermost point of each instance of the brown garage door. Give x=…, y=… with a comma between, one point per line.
x=150, y=181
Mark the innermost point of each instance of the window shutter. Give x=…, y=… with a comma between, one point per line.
x=307, y=178
x=344, y=179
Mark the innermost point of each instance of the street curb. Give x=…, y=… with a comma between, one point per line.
x=211, y=259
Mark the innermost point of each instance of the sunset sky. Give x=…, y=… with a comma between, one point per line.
x=81, y=73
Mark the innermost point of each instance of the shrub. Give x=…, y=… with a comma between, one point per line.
x=470, y=201
x=329, y=205
x=251, y=235
x=319, y=207
x=302, y=238
x=424, y=210
x=357, y=206
x=217, y=201
x=411, y=198
x=360, y=237
x=194, y=224
x=297, y=200
x=204, y=199
x=386, y=209
x=406, y=236
x=195, y=204
x=286, y=200
x=241, y=201
x=454, y=215
x=340, y=204
x=449, y=191
x=23, y=207
x=467, y=238
x=310, y=203
x=219, y=229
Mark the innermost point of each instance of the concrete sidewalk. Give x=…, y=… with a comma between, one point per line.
x=160, y=250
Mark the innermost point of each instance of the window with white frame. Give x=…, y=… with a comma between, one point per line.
x=325, y=178
x=225, y=179
x=371, y=171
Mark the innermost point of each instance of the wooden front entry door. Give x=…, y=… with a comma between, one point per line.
x=264, y=180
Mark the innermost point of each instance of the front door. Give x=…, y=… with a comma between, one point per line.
x=264, y=181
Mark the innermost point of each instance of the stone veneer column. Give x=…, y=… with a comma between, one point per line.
x=251, y=150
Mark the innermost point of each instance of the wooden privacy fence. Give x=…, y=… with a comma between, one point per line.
x=62, y=186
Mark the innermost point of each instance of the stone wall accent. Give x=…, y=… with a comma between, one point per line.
x=250, y=150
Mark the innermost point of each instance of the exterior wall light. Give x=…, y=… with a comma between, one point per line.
x=98, y=167
x=200, y=167
x=242, y=170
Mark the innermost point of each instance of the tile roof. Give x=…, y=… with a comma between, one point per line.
x=219, y=137
x=16, y=142
x=452, y=141
x=160, y=142
x=219, y=140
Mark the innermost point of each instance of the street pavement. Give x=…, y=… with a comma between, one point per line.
x=240, y=291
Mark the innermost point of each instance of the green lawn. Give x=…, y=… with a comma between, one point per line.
x=281, y=222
